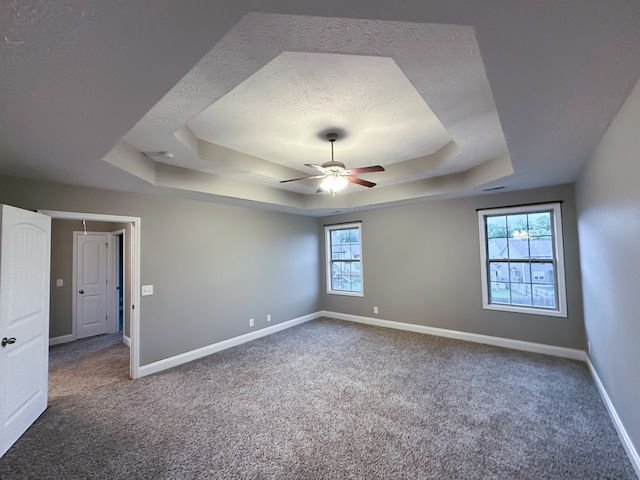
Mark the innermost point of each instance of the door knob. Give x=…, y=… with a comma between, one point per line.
x=81, y=292
x=8, y=341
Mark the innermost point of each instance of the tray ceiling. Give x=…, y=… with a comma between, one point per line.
x=412, y=97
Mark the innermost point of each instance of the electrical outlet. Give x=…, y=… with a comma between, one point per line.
x=59, y=282
x=268, y=317
x=375, y=309
x=251, y=322
x=147, y=290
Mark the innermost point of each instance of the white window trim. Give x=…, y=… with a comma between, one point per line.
x=327, y=246
x=561, y=310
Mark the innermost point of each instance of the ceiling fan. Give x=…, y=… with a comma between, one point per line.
x=335, y=175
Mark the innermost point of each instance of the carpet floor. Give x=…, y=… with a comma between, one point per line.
x=323, y=400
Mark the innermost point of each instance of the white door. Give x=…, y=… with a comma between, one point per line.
x=91, y=284
x=25, y=241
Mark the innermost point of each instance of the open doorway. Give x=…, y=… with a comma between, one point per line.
x=124, y=235
x=99, y=297
x=120, y=274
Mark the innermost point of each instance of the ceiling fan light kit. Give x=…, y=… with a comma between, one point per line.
x=333, y=183
x=334, y=174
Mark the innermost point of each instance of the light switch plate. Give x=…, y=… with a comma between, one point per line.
x=147, y=290
x=59, y=282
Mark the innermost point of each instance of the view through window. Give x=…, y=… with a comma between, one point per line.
x=522, y=263
x=344, y=259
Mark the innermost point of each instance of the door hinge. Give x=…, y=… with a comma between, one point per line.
x=133, y=307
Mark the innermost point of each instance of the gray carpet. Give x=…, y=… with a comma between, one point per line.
x=323, y=400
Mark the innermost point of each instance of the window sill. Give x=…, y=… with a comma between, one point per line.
x=527, y=310
x=346, y=294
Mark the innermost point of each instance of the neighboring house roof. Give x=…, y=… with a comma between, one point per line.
x=521, y=248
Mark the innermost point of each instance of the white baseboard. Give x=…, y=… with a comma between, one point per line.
x=223, y=345
x=176, y=360
x=61, y=339
x=126, y=340
x=631, y=450
x=469, y=337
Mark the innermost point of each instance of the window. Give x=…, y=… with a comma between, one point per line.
x=522, y=259
x=344, y=259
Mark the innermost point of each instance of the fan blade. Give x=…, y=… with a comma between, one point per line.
x=356, y=171
x=317, y=167
x=359, y=181
x=303, y=178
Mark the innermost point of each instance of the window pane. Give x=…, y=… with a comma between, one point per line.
x=351, y=235
x=346, y=268
x=340, y=268
x=337, y=252
x=543, y=273
x=544, y=296
x=499, y=293
x=519, y=247
x=497, y=227
x=499, y=272
x=336, y=281
x=335, y=238
x=517, y=226
x=519, y=272
x=352, y=284
x=497, y=248
x=541, y=247
x=521, y=294
x=353, y=251
x=540, y=224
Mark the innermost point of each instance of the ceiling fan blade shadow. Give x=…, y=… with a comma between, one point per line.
x=359, y=181
x=317, y=167
x=303, y=178
x=356, y=171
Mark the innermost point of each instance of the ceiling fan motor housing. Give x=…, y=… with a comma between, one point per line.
x=334, y=166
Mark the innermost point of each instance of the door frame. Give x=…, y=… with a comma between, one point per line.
x=134, y=328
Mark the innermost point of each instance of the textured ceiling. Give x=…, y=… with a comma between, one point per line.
x=241, y=93
x=412, y=97
x=278, y=112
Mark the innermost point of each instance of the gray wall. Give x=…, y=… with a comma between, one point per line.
x=60, y=310
x=213, y=266
x=421, y=265
x=608, y=201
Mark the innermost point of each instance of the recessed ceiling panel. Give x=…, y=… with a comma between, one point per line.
x=281, y=111
x=412, y=97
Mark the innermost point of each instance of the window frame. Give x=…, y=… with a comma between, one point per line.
x=329, y=261
x=557, y=261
